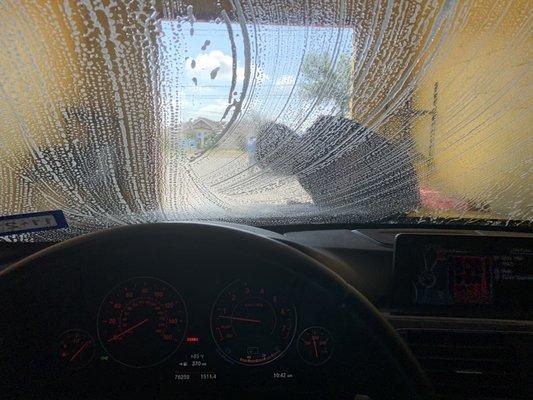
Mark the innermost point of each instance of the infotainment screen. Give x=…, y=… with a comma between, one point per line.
x=492, y=275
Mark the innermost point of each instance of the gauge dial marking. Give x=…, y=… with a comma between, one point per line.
x=142, y=322
x=315, y=345
x=253, y=324
x=76, y=349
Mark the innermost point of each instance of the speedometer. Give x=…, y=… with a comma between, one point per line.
x=142, y=322
x=252, y=323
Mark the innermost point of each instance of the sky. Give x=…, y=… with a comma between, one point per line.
x=197, y=72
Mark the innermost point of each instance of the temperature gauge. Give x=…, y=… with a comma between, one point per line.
x=315, y=345
x=76, y=348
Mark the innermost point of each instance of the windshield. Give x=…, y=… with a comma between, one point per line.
x=269, y=112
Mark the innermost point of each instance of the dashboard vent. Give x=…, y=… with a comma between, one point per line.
x=469, y=364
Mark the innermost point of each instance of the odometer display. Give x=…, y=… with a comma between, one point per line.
x=252, y=323
x=142, y=322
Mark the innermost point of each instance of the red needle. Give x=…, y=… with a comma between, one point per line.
x=254, y=321
x=119, y=335
x=314, y=345
x=76, y=354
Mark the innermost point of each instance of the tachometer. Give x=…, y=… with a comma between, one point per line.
x=142, y=322
x=252, y=323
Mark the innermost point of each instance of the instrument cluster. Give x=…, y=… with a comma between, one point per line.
x=189, y=310
x=266, y=330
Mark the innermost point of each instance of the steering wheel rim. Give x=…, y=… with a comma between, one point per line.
x=416, y=384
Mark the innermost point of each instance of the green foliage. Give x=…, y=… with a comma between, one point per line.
x=326, y=80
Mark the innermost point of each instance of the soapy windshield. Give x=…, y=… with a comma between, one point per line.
x=268, y=112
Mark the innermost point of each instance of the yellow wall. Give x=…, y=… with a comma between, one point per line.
x=37, y=67
x=62, y=63
x=37, y=79
x=483, y=147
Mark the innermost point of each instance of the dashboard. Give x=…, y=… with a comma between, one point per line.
x=204, y=316
x=461, y=299
x=136, y=318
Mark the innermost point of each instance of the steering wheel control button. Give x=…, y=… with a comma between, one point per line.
x=315, y=345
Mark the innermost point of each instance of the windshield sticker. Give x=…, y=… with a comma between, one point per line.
x=33, y=222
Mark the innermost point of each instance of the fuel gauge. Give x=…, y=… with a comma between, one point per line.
x=76, y=349
x=315, y=345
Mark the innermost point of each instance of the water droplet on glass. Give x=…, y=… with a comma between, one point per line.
x=214, y=72
x=206, y=43
x=374, y=103
x=190, y=13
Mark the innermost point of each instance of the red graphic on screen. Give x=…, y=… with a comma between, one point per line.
x=471, y=281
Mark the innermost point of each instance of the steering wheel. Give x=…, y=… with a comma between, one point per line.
x=392, y=371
